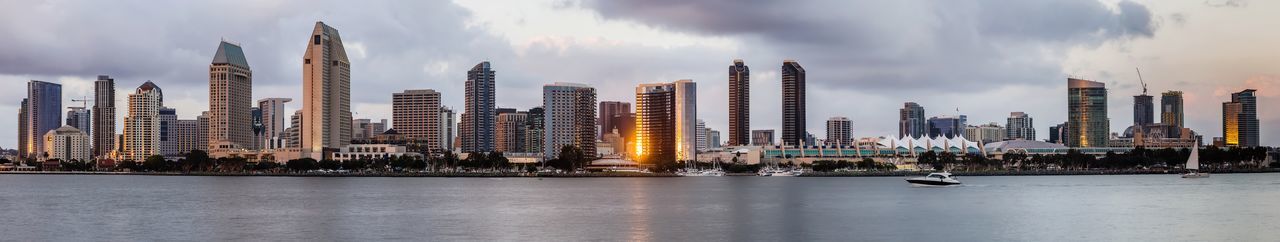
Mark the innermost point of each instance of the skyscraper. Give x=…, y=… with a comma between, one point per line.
x=607, y=110
x=142, y=125
x=80, y=118
x=713, y=139
x=104, y=122
x=1019, y=126
x=1171, y=108
x=44, y=113
x=509, y=135
x=655, y=139
x=534, y=127
x=477, y=117
x=1057, y=133
x=948, y=126
x=416, y=115
x=274, y=121
x=23, y=131
x=739, y=104
x=1087, y=122
x=187, y=135
x=231, y=97
x=326, y=93
x=839, y=131
x=911, y=122
x=1143, y=110
x=762, y=137
x=686, y=105
x=701, y=136
x=447, y=130
x=793, y=103
x=570, y=118
x=168, y=131
x=626, y=130
x=1240, y=120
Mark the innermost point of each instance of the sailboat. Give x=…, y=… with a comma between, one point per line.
x=1193, y=164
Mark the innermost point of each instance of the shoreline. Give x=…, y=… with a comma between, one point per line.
x=628, y=174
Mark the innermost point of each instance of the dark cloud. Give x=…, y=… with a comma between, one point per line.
x=929, y=45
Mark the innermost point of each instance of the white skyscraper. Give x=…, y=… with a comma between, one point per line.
x=230, y=98
x=142, y=125
x=701, y=130
x=570, y=118
x=274, y=121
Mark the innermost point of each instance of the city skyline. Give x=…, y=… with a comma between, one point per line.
x=274, y=67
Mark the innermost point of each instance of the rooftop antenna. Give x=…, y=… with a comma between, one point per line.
x=1144, y=83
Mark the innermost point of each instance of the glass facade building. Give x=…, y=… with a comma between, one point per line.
x=1087, y=122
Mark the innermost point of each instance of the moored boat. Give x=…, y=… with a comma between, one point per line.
x=934, y=179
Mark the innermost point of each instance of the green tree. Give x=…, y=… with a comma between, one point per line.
x=329, y=164
x=156, y=163
x=304, y=164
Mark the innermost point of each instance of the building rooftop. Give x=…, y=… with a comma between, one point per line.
x=231, y=54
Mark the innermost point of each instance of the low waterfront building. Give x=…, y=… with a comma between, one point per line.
x=371, y=151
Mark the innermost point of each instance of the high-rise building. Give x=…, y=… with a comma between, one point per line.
x=478, y=114
x=1171, y=108
x=326, y=94
x=1240, y=120
x=44, y=113
x=1143, y=110
x=186, y=132
x=839, y=131
x=104, y=120
x=294, y=131
x=534, y=128
x=626, y=130
x=948, y=126
x=1057, y=132
x=416, y=115
x=793, y=103
x=231, y=97
x=142, y=125
x=66, y=143
x=570, y=116
x=762, y=137
x=202, y=132
x=168, y=131
x=701, y=136
x=447, y=130
x=1019, y=126
x=713, y=138
x=911, y=122
x=986, y=133
x=739, y=104
x=364, y=129
x=80, y=118
x=23, y=131
x=1087, y=122
x=686, y=105
x=274, y=121
x=655, y=139
x=607, y=110
x=509, y=135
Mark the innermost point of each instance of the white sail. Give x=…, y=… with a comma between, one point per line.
x=1193, y=161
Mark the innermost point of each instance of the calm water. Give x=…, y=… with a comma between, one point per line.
x=1227, y=207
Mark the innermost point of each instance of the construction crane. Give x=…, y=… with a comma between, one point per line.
x=84, y=101
x=1144, y=83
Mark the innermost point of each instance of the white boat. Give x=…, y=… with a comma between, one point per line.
x=1193, y=164
x=934, y=179
x=708, y=172
x=777, y=171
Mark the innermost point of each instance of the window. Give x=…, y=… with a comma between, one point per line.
x=306, y=61
x=316, y=40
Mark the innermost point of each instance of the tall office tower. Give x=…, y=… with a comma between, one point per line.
x=655, y=139
x=326, y=93
x=231, y=97
x=1240, y=120
x=626, y=130
x=686, y=104
x=534, y=129
x=948, y=126
x=477, y=117
x=510, y=131
x=739, y=104
x=104, y=120
x=186, y=133
x=295, y=130
x=416, y=115
x=274, y=121
x=570, y=116
x=762, y=137
x=66, y=143
x=447, y=130
x=1019, y=126
x=607, y=110
x=911, y=122
x=23, y=131
x=142, y=125
x=839, y=131
x=202, y=131
x=1087, y=122
x=1171, y=108
x=701, y=136
x=1143, y=110
x=1057, y=133
x=44, y=113
x=713, y=139
x=168, y=137
x=793, y=104
x=80, y=118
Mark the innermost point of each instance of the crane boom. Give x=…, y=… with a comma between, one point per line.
x=1144, y=83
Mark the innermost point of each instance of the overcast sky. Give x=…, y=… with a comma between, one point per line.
x=864, y=59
